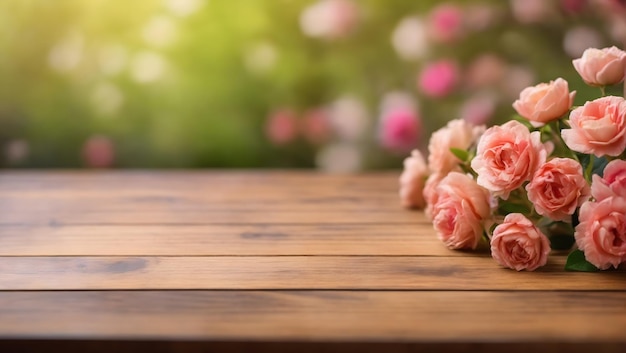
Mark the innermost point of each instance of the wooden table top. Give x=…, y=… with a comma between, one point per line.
x=269, y=257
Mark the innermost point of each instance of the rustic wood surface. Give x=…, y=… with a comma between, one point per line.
x=276, y=258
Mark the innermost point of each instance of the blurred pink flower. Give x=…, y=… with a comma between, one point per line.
x=484, y=71
x=17, y=150
x=531, y=11
x=578, y=39
x=329, y=19
x=430, y=192
x=315, y=126
x=445, y=23
x=478, y=110
x=412, y=181
x=349, y=118
x=281, y=127
x=400, y=130
x=98, y=152
x=515, y=80
x=439, y=79
x=574, y=6
x=479, y=17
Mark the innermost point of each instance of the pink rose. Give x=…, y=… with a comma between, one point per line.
x=439, y=79
x=507, y=156
x=412, y=181
x=598, y=127
x=518, y=244
x=558, y=188
x=613, y=183
x=545, y=102
x=281, y=127
x=400, y=130
x=445, y=23
x=430, y=194
x=601, y=233
x=458, y=134
x=602, y=67
x=460, y=209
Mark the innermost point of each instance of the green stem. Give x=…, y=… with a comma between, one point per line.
x=589, y=168
x=603, y=90
x=559, y=143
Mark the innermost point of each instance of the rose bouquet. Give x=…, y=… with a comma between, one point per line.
x=552, y=178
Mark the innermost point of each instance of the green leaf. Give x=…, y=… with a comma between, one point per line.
x=598, y=163
x=463, y=155
x=562, y=242
x=504, y=208
x=561, y=235
x=524, y=121
x=576, y=262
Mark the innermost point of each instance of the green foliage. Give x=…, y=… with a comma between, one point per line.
x=208, y=106
x=462, y=155
x=576, y=262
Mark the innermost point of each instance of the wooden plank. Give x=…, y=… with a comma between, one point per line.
x=200, y=198
x=291, y=272
x=431, y=316
x=260, y=240
x=57, y=216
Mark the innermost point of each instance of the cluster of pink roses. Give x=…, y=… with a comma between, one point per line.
x=506, y=185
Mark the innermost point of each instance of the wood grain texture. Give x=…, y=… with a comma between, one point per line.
x=200, y=198
x=430, y=316
x=291, y=272
x=220, y=240
x=269, y=256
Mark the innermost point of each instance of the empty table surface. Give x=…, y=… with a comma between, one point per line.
x=278, y=259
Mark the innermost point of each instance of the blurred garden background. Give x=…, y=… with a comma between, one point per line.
x=338, y=85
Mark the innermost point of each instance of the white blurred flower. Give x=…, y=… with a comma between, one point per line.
x=478, y=109
x=112, y=59
x=578, y=39
x=147, y=67
x=515, y=80
x=329, y=18
x=67, y=53
x=479, y=17
x=183, y=8
x=486, y=70
x=16, y=150
x=160, y=31
x=261, y=58
x=397, y=100
x=531, y=11
x=349, y=118
x=339, y=158
x=107, y=98
x=409, y=39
